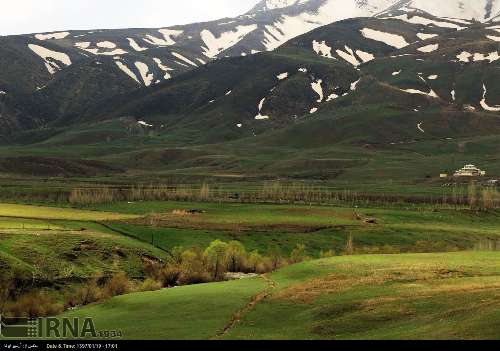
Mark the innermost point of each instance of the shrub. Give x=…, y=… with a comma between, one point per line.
x=150, y=285
x=169, y=276
x=189, y=278
x=264, y=266
x=119, y=284
x=326, y=254
x=254, y=260
x=87, y=294
x=33, y=305
x=153, y=270
x=298, y=254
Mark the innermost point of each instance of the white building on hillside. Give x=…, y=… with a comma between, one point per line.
x=470, y=171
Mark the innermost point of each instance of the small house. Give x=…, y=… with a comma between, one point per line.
x=470, y=171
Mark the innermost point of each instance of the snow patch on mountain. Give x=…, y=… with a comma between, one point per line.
x=182, y=58
x=127, y=71
x=426, y=21
x=169, y=35
x=432, y=93
x=106, y=45
x=354, y=85
x=493, y=37
x=485, y=105
x=393, y=40
x=259, y=116
x=348, y=56
x=318, y=89
x=424, y=36
x=282, y=76
x=467, y=57
x=419, y=127
x=100, y=48
x=147, y=77
x=365, y=56
x=429, y=48
x=278, y=4
x=133, y=44
x=167, y=40
x=50, y=57
x=52, y=36
x=164, y=68
x=478, y=9
x=214, y=45
x=322, y=49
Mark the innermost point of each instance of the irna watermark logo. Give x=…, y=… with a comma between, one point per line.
x=53, y=328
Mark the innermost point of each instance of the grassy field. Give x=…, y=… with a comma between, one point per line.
x=425, y=296
x=259, y=227
x=419, y=296
x=80, y=249
x=452, y=295
x=408, y=167
x=319, y=227
x=66, y=243
x=40, y=212
x=191, y=312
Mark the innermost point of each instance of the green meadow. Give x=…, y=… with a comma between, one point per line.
x=411, y=273
x=417, y=296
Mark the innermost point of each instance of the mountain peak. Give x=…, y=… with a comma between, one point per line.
x=481, y=10
x=266, y=5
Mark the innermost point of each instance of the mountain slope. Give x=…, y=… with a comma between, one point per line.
x=415, y=81
x=88, y=67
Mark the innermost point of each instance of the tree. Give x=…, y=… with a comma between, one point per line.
x=349, y=247
x=216, y=256
x=298, y=254
x=176, y=255
x=236, y=255
x=192, y=261
x=254, y=260
x=275, y=257
x=204, y=192
x=472, y=195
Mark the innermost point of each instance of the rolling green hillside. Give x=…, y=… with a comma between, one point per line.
x=427, y=296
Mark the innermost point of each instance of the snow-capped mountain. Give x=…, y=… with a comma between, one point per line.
x=412, y=63
x=62, y=74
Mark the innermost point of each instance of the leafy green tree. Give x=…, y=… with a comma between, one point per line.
x=254, y=260
x=236, y=255
x=216, y=256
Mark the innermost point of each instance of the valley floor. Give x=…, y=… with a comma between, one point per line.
x=409, y=273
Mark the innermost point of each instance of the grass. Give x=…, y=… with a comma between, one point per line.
x=58, y=246
x=425, y=296
x=411, y=296
x=85, y=252
x=438, y=295
x=261, y=226
x=41, y=212
x=191, y=312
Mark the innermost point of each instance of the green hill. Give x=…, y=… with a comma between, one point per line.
x=426, y=296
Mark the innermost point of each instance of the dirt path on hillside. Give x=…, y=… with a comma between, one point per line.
x=239, y=315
